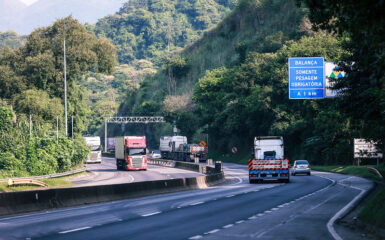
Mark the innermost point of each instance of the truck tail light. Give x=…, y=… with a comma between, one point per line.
x=128, y=160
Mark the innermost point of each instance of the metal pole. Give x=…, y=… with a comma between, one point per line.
x=72, y=128
x=105, y=135
x=65, y=89
x=57, y=129
x=30, y=124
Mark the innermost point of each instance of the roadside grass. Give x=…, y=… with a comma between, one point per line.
x=374, y=211
x=359, y=171
x=58, y=182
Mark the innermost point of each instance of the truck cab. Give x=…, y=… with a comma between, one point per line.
x=131, y=153
x=96, y=149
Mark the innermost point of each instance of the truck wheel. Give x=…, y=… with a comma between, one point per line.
x=251, y=181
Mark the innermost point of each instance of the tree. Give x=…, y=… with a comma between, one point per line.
x=362, y=24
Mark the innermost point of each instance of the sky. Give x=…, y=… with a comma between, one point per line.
x=29, y=2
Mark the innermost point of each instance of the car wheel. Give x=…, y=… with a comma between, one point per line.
x=309, y=174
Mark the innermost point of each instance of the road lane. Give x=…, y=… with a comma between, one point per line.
x=106, y=173
x=236, y=210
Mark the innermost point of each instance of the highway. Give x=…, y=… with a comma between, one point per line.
x=302, y=209
x=106, y=173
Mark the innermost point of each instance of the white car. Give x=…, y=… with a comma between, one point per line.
x=156, y=154
x=301, y=167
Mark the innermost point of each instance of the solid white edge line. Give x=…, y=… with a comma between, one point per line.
x=150, y=214
x=74, y=230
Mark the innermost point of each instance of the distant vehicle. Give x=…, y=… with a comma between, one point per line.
x=156, y=154
x=176, y=148
x=131, y=153
x=268, y=161
x=96, y=149
x=110, y=145
x=301, y=167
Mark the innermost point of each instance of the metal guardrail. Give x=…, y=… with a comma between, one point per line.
x=47, y=176
x=12, y=182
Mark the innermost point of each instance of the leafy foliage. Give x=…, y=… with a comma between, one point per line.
x=151, y=29
x=362, y=24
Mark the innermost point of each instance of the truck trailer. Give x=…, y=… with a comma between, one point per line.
x=96, y=149
x=131, y=153
x=177, y=148
x=268, y=162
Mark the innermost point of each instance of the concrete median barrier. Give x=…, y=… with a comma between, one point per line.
x=28, y=201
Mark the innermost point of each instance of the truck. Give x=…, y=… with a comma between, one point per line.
x=268, y=162
x=96, y=149
x=177, y=148
x=131, y=153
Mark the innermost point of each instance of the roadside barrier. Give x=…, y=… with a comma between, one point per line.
x=12, y=182
x=47, y=176
x=37, y=200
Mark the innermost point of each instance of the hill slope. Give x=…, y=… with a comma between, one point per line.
x=152, y=29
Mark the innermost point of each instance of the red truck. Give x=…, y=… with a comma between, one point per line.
x=131, y=153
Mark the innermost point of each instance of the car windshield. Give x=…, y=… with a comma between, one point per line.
x=302, y=162
x=156, y=152
x=136, y=151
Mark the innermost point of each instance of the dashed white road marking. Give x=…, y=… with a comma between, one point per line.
x=74, y=230
x=252, y=217
x=267, y=211
x=197, y=203
x=229, y=196
x=213, y=231
x=196, y=237
x=260, y=214
x=240, y=221
x=228, y=226
x=274, y=209
x=150, y=214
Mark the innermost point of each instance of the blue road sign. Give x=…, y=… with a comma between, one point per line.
x=306, y=78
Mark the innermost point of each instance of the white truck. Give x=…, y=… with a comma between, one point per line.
x=96, y=149
x=268, y=161
x=168, y=145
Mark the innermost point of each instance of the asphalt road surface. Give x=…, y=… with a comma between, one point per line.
x=105, y=173
x=300, y=209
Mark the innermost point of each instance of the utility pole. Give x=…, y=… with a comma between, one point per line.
x=30, y=124
x=105, y=134
x=72, y=127
x=65, y=85
x=57, y=129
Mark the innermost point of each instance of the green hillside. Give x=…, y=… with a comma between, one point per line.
x=152, y=29
x=232, y=84
x=11, y=39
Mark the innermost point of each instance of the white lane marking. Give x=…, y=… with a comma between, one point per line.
x=274, y=209
x=240, y=221
x=267, y=211
x=74, y=230
x=150, y=214
x=260, y=214
x=228, y=226
x=252, y=217
x=213, y=231
x=196, y=237
x=229, y=196
x=197, y=203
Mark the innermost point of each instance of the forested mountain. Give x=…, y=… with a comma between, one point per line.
x=152, y=29
x=14, y=15
x=11, y=39
x=233, y=85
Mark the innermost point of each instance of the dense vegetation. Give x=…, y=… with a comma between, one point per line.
x=152, y=29
x=32, y=85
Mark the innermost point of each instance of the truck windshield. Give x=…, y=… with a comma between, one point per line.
x=136, y=151
x=96, y=148
x=269, y=154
